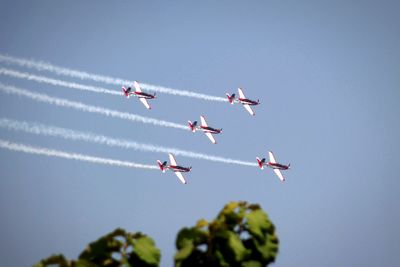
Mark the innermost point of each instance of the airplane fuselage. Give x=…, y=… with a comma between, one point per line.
x=246, y=101
x=277, y=166
x=144, y=95
x=207, y=129
x=178, y=168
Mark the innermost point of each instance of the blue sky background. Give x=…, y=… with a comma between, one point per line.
x=327, y=74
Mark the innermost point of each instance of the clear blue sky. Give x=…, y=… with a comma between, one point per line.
x=327, y=74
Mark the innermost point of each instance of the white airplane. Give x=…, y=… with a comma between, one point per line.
x=209, y=131
x=139, y=94
x=174, y=167
x=277, y=167
x=243, y=100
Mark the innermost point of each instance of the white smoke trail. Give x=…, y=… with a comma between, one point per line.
x=42, y=79
x=40, y=129
x=87, y=108
x=43, y=66
x=61, y=154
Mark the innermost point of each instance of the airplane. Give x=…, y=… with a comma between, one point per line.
x=277, y=167
x=174, y=167
x=209, y=131
x=243, y=100
x=139, y=94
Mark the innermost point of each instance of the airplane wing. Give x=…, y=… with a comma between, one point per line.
x=241, y=94
x=203, y=121
x=211, y=137
x=271, y=157
x=172, y=160
x=145, y=103
x=137, y=86
x=249, y=109
x=279, y=174
x=180, y=176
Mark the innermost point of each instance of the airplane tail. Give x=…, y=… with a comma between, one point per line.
x=126, y=91
x=231, y=98
x=193, y=126
x=162, y=165
x=288, y=166
x=260, y=162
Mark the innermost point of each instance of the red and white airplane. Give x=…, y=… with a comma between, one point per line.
x=139, y=94
x=243, y=100
x=209, y=131
x=174, y=167
x=277, y=167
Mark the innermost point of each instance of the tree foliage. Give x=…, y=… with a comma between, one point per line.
x=118, y=248
x=241, y=235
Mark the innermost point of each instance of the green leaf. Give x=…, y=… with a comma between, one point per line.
x=268, y=249
x=258, y=224
x=220, y=259
x=145, y=249
x=55, y=260
x=251, y=264
x=193, y=235
x=201, y=223
x=83, y=263
x=184, y=252
x=236, y=246
x=231, y=215
x=100, y=251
